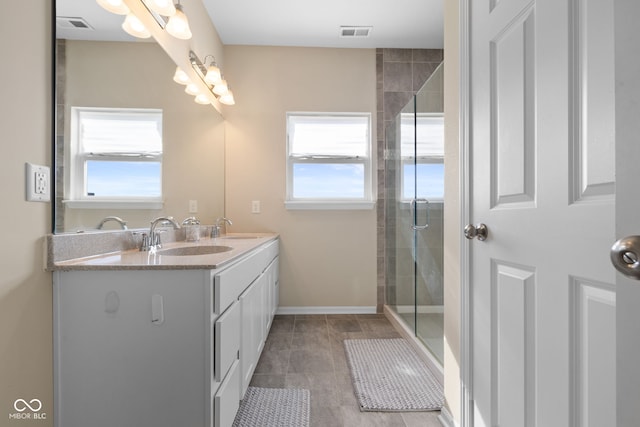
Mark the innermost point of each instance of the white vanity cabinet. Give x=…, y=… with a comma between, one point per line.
x=160, y=347
x=258, y=305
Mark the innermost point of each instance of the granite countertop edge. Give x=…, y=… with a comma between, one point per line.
x=132, y=259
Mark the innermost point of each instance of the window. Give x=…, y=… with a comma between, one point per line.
x=329, y=161
x=116, y=155
x=422, y=163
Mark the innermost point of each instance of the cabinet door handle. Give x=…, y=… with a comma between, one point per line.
x=157, y=310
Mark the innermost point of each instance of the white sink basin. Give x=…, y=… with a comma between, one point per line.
x=194, y=250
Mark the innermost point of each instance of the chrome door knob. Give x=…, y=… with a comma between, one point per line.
x=625, y=256
x=479, y=231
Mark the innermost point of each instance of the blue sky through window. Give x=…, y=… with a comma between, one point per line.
x=123, y=179
x=328, y=181
x=430, y=181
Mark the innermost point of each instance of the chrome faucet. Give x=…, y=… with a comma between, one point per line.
x=215, y=230
x=152, y=241
x=123, y=223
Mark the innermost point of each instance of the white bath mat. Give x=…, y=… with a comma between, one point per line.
x=274, y=407
x=388, y=375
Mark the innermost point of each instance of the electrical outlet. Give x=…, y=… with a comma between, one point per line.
x=255, y=206
x=193, y=206
x=38, y=188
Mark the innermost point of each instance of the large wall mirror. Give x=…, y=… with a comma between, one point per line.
x=100, y=68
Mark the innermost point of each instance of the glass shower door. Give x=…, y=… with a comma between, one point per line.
x=400, y=240
x=415, y=215
x=429, y=172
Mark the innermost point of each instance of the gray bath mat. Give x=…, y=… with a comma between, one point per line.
x=388, y=375
x=273, y=407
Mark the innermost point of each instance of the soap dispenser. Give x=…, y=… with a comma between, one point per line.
x=191, y=227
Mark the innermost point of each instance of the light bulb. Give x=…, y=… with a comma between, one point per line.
x=213, y=75
x=132, y=25
x=114, y=6
x=202, y=99
x=178, y=25
x=162, y=7
x=227, y=98
x=221, y=88
x=181, y=77
x=192, y=89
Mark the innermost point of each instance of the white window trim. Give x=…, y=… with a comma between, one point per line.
x=365, y=203
x=77, y=198
x=329, y=205
x=113, y=204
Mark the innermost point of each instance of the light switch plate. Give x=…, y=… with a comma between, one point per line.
x=38, y=183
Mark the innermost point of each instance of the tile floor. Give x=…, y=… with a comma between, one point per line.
x=306, y=351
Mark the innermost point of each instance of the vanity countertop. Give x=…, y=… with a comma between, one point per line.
x=133, y=259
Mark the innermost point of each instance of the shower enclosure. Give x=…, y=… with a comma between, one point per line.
x=414, y=215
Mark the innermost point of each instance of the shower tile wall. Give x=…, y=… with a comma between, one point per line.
x=400, y=74
x=61, y=78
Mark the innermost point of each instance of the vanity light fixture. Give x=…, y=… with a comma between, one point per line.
x=192, y=89
x=202, y=71
x=214, y=75
x=181, y=77
x=114, y=6
x=202, y=99
x=133, y=26
x=227, y=98
x=221, y=88
x=162, y=7
x=178, y=25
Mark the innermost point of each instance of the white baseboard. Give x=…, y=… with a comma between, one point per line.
x=327, y=310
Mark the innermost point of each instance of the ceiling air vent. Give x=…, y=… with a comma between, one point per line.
x=351, y=31
x=72, y=23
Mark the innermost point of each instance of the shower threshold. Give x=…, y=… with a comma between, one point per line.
x=401, y=325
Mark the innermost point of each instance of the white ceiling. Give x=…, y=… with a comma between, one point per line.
x=396, y=23
x=104, y=25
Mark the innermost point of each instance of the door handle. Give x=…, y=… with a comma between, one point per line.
x=479, y=231
x=414, y=202
x=624, y=256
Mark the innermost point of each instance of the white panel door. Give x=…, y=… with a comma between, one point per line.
x=627, y=66
x=542, y=143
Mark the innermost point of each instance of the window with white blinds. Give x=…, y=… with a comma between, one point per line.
x=328, y=160
x=423, y=162
x=116, y=154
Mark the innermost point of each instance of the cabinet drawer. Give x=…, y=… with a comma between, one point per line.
x=227, y=341
x=231, y=282
x=226, y=400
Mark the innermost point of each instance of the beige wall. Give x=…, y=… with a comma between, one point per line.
x=452, y=224
x=25, y=289
x=140, y=75
x=327, y=257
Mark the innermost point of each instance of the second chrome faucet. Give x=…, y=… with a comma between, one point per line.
x=152, y=241
x=215, y=230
